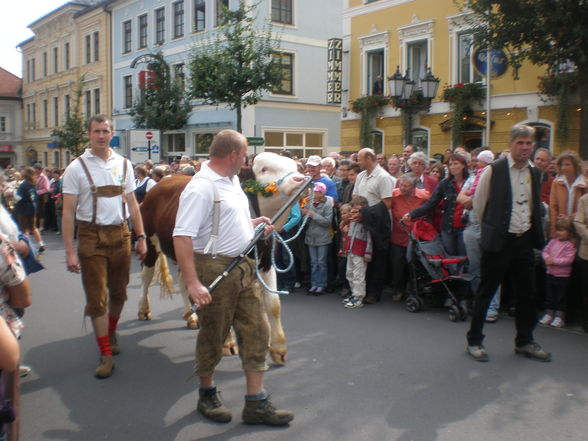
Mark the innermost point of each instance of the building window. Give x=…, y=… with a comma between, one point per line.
x=178, y=8
x=56, y=159
x=282, y=11
x=375, y=72
x=465, y=68
x=417, y=59
x=66, y=62
x=286, y=62
x=33, y=69
x=96, y=101
x=34, y=115
x=55, y=61
x=420, y=139
x=175, y=142
x=301, y=144
x=66, y=105
x=128, y=88
x=45, y=114
x=179, y=73
x=221, y=5
x=55, y=111
x=199, y=15
x=96, y=46
x=127, y=37
x=143, y=31
x=160, y=26
x=44, y=64
x=88, y=104
x=542, y=135
x=203, y=142
x=3, y=124
x=28, y=71
x=88, y=46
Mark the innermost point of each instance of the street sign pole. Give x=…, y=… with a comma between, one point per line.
x=149, y=149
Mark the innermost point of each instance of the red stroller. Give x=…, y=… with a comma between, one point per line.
x=430, y=268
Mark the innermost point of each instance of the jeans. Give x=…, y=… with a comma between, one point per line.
x=454, y=242
x=318, y=265
x=471, y=240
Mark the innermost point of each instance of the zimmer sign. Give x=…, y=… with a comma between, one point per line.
x=335, y=70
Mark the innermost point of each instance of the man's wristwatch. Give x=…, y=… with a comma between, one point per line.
x=141, y=236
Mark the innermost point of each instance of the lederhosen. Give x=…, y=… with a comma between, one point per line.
x=104, y=251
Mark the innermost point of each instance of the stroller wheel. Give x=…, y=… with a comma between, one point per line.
x=412, y=304
x=454, y=313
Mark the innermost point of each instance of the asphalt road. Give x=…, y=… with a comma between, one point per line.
x=376, y=373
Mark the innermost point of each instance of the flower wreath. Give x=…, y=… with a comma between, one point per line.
x=254, y=187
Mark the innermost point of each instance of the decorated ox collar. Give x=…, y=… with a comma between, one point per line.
x=253, y=187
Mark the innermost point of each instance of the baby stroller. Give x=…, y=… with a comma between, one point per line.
x=431, y=270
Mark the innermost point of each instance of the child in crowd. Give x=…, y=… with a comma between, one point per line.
x=558, y=255
x=345, y=213
x=318, y=238
x=358, y=249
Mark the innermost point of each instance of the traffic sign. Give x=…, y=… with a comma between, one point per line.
x=149, y=136
x=255, y=141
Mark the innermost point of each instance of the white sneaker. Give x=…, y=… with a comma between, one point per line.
x=546, y=319
x=558, y=323
x=354, y=303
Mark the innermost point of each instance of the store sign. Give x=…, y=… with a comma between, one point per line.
x=498, y=62
x=335, y=70
x=5, y=148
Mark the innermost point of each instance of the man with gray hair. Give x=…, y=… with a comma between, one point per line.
x=418, y=165
x=508, y=204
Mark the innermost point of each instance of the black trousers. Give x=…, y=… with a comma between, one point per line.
x=376, y=273
x=516, y=259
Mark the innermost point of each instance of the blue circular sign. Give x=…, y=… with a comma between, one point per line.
x=498, y=62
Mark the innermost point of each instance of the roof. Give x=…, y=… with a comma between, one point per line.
x=10, y=85
x=72, y=3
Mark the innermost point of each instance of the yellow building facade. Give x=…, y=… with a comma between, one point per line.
x=70, y=45
x=380, y=35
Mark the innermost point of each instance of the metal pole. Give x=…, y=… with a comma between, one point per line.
x=488, y=80
x=149, y=149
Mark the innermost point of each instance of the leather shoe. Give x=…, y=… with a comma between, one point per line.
x=477, y=352
x=533, y=350
x=370, y=300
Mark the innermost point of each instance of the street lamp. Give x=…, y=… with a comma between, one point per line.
x=409, y=99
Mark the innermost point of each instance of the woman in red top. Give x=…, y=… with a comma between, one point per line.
x=404, y=199
x=445, y=196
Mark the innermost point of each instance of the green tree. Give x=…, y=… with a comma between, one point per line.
x=552, y=33
x=237, y=65
x=73, y=133
x=162, y=103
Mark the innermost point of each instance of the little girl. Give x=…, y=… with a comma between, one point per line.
x=558, y=255
x=318, y=238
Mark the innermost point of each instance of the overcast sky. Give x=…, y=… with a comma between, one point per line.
x=15, y=16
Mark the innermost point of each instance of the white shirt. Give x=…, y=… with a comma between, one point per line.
x=194, y=218
x=109, y=172
x=520, y=185
x=375, y=186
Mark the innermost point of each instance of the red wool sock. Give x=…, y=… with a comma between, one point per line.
x=104, y=345
x=112, y=322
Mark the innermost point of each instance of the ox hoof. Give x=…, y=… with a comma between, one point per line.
x=191, y=320
x=279, y=357
x=144, y=315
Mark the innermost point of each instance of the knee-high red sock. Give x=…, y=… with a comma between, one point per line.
x=112, y=323
x=104, y=345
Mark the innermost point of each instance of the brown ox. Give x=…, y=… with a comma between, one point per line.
x=159, y=209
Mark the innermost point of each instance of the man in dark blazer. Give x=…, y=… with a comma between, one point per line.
x=508, y=204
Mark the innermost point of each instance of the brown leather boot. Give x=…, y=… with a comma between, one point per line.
x=114, y=346
x=211, y=406
x=106, y=366
x=264, y=412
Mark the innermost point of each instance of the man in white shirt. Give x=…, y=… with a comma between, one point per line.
x=238, y=299
x=98, y=193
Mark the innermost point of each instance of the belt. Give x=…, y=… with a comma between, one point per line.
x=517, y=235
x=101, y=227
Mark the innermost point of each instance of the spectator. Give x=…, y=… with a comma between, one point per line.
x=354, y=170
x=313, y=169
x=143, y=183
x=437, y=170
x=343, y=173
x=318, y=237
x=42, y=188
x=581, y=227
x=566, y=190
x=542, y=160
x=418, y=163
x=558, y=255
x=394, y=166
x=26, y=208
x=406, y=153
x=405, y=198
x=330, y=167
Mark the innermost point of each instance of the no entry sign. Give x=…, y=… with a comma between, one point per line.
x=149, y=136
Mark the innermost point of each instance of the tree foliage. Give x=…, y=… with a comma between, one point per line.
x=552, y=33
x=237, y=65
x=73, y=133
x=162, y=103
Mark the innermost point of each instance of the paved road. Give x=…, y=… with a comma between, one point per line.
x=377, y=373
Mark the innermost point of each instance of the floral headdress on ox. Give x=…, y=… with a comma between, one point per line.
x=251, y=186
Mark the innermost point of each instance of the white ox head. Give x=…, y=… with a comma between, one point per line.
x=270, y=167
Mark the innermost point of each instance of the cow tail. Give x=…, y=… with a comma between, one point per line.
x=162, y=273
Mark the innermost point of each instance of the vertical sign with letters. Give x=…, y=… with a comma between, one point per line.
x=335, y=70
